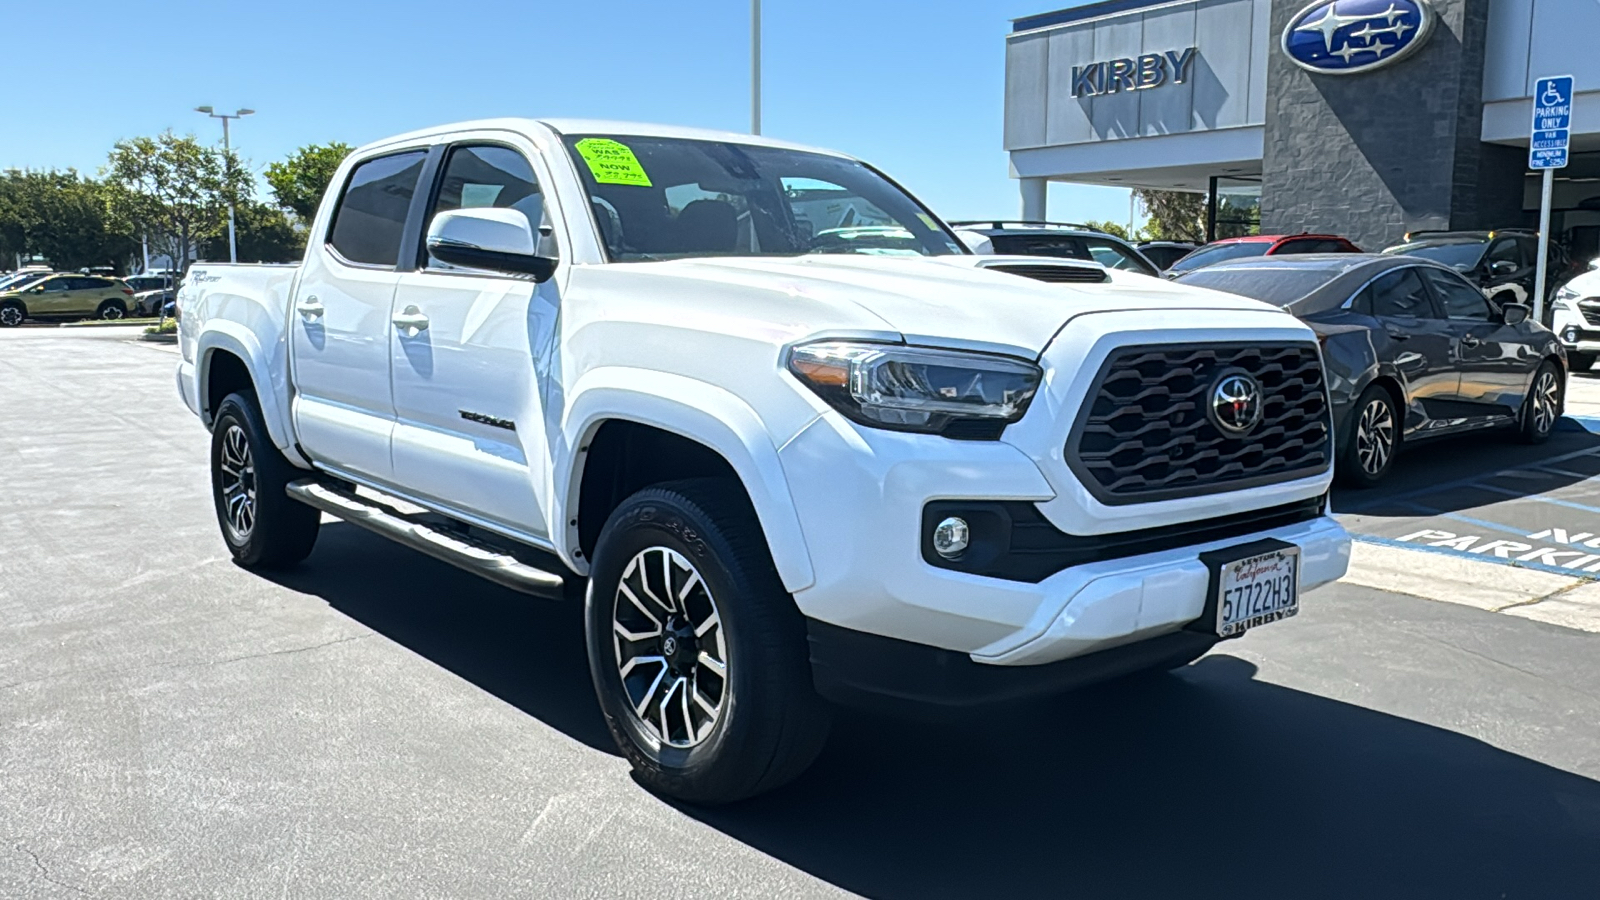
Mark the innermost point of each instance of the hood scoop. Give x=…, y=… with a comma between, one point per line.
x=1054, y=272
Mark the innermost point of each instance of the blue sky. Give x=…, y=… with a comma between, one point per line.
x=914, y=86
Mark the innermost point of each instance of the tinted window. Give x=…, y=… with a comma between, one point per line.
x=1164, y=256
x=1059, y=246
x=54, y=284
x=1299, y=246
x=1459, y=299
x=487, y=176
x=1397, y=293
x=1215, y=253
x=743, y=200
x=371, y=215
x=1115, y=256
x=1461, y=256
x=1505, y=250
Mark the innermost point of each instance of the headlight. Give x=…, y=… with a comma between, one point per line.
x=969, y=395
x=1565, y=298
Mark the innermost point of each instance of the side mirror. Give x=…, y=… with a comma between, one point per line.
x=1515, y=313
x=499, y=240
x=1502, y=267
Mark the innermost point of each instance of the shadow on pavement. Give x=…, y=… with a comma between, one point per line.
x=1203, y=784
x=526, y=651
x=1445, y=470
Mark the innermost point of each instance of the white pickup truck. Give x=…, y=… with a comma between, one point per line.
x=754, y=403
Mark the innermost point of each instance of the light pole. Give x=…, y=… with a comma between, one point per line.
x=755, y=66
x=233, y=247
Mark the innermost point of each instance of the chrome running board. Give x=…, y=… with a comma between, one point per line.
x=476, y=557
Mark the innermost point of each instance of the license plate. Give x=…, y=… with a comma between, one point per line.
x=1257, y=590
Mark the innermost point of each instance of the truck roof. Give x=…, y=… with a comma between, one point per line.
x=597, y=126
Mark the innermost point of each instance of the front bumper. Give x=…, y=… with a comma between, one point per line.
x=860, y=497
x=1575, y=332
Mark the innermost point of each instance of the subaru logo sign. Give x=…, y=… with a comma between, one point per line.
x=1343, y=37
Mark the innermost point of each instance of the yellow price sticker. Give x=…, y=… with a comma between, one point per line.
x=928, y=221
x=612, y=162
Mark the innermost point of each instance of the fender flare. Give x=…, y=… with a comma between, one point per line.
x=696, y=410
x=220, y=334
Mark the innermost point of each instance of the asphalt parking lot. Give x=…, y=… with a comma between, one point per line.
x=377, y=724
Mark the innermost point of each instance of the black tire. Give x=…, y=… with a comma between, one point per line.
x=768, y=723
x=280, y=532
x=12, y=314
x=1580, y=362
x=1372, y=440
x=111, y=310
x=1542, y=407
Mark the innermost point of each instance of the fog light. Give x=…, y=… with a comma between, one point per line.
x=950, y=537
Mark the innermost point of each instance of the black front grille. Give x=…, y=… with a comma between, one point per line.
x=1055, y=273
x=1591, y=312
x=1145, y=433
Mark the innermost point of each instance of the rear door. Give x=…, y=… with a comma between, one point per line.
x=1491, y=356
x=470, y=428
x=339, y=321
x=1416, y=341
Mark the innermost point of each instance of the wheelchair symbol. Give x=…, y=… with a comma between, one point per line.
x=1551, y=96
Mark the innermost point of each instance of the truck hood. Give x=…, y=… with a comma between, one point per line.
x=955, y=301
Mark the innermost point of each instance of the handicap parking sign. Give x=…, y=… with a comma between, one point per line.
x=1551, y=128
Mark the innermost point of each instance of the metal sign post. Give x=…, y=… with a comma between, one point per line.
x=1547, y=150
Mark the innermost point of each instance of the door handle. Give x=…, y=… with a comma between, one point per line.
x=1469, y=341
x=310, y=308
x=1399, y=336
x=411, y=321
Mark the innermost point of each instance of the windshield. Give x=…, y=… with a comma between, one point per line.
x=1461, y=256
x=671, y=198
x=1278, y=285
x=1215, y=253
x=19, y=280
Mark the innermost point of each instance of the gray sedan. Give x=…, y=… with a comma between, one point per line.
x=1412, y=351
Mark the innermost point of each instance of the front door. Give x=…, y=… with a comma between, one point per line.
x=344, y=407
x=1488, y=353
x=51, y=297
x=470, y=426
x=1416, y=341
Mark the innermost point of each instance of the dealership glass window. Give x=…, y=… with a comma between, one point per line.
x=1234, y=207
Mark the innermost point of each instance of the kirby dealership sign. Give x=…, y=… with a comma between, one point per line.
x=1343, y=37
x=1151, y=70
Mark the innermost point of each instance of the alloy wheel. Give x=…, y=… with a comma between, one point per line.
x=238, y=483
x=10, y=316
x=1374, y=437
x=111, y=312
x=670, y=650
x=1546, y=400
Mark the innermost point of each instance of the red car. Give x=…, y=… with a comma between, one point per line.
x=1261, y=245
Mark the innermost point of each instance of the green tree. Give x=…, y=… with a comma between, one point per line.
x=299, y=181
x=60, y=216
x=1111, y=228
x=262, y=232
x=175, y=190
x=1173, y=215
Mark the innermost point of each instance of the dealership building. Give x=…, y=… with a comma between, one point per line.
x=1365, y=118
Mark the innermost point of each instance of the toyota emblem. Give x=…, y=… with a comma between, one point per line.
x=1236, y=404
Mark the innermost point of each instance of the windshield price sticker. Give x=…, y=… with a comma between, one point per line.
x=612, y=162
